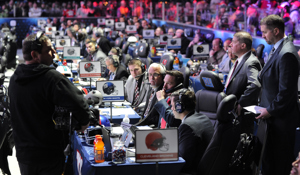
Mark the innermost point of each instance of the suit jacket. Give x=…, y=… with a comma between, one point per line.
x=244, y=83
x=217, y=57
x=194, y=135
x=121, y=73
x=153, y=116
x=279, y=96
x=104, y=45
x=144, y=88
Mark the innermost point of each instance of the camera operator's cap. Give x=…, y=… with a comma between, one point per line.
x=296, y=3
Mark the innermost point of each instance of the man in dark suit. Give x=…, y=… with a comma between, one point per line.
x=194, y=132
x=242, y=78
x=116, y=71
x=102, y=41
x=279, y=98
x=184, y=40
x=217, y=52
x=156, y=73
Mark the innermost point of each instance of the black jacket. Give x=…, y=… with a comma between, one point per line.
x=104, y=45
x=34, y=91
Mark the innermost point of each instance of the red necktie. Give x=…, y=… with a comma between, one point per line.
x=235, y=64
x=136, y=94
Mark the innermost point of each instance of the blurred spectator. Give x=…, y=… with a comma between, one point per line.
x=221, y=21
x=184, y=41
x=138, y=11
x=44, y=9
x=217, y=52
x=35, y=11
x=294, y=14
x=252, y=21
x=158, y=32
x=289, y=26
x=69, y=12
x=171, y=32
x=4, y=11
x=110, y=11
x=196, y=41
x=122, y=10
x=63, y=27
x=203, y=12
x=54, y=11
x=158, y=10
x=82, y=12
x=139, y=29
x=171, y=12
x=62, y=19
x=145, y=24
x=99, y=11
x=69, y=23
x=238, y=19
x=55, y=23
x=188, y=13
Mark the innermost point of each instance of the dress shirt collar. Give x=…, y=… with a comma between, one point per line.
x=241, y=58
x=276, y=45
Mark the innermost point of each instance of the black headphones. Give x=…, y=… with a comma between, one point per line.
x=36, y=45
x=179, y=106
x=143, y=66
x=115, y=63
x=220, y=43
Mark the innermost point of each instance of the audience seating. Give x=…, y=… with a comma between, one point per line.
x=167, y=60
x=143, y=51
x=186, y=75
x=260, y=54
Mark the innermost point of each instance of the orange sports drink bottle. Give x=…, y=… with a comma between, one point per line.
x=99, y=150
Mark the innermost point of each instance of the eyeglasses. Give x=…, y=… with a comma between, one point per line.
x=155, y=75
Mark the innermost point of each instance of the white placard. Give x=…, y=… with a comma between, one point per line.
x=61, y=43
x=163, y=39
x=109, y=22
x=41, y=23
x=57, y=33
x=112, y=90
x=71, y=53
x=13, y=23
x=120, y=25
x=156, y=145
x=148, y=34
x=101, y=21
x=174, y=43
x=62, y=37
x=201, y=50
x=131, y=29
x=254, y=109
x=49, y=30
x=90, y=69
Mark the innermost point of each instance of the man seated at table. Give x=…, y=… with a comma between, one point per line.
x=136, y=86
x=195, y=130
x=116, y=71
x=172, y=82
x=217, y=52
x=184, y=40
x=224, y=65
x=156, y=73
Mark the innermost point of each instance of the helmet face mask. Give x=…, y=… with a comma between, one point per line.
x=109, y=88
x=156, y=140
x=88, y=67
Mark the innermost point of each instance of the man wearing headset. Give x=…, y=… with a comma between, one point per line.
x=95, y=54
x=35, y=90
x=172, y=82
x=115, y=70
x=136, y=86
x=194, y=132
x=101, y=40
x=217, y=52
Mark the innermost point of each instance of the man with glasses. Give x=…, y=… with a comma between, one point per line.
x=156, y=74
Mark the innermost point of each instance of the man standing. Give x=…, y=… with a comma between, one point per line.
x=156, y=73
x=173, y=81
x=194, y=132
x=279, y=97
x=217, y=52
x=242, y=78
x=136, y=86
x=35, y=91
x=101, y=40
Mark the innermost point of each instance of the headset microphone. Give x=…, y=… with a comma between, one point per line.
x=138, y=76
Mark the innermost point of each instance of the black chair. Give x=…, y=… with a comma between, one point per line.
x=167, y=60
x=208, y=99
x=125, y=56
x=218, y=154
x=135, y=52
x=186, y=76
x=119, y=42
x=143, y=52
x=259, y=54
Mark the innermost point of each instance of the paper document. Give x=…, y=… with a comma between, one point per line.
x=254, y=109
x=118, y=111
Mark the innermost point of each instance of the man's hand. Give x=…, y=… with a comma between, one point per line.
x=160, y=95
x=211, y=53
x=83, y=127
x=264, y=114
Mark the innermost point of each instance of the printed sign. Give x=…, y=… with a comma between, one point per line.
x=148, y=34
x=112, y=90
x=71, y=52
x=49, y=30
x=101, y=21
x=120, y=25
x=174, y=43
x=41, y=23
x=131, y=29
x=201, y=50
x=90, y=69
x=57, y=33
x=163, y=39
x=61, y=43
x=208, y=82
x=109, y=22
x=156, y=145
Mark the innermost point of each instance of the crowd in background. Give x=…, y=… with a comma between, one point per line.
x=220, y=14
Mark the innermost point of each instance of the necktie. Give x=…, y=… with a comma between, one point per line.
x=271, y=53
x=149, y=104
x=136, y=94
x=228, y=80
x=112, y=76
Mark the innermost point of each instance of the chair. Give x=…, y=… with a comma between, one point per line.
x=218, y=154
x=259, y=54
x=186, y=76
x=125, y=56
x=119, y=42
x=208, y=99
x=167, y=60
x=143, y=52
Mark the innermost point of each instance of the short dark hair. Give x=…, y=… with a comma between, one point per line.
x=92, y=40
x=177, y=74
x=272, y=22
x=188, y=99
x=27, y=43
x=244, y=37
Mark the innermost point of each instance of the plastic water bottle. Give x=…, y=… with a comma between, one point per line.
x=179, y=56
x=60, y=63
x=126, y=119
x=217, y=69
x=204, y=66
x=65, y=62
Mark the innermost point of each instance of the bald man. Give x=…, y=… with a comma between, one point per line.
x=184, y=41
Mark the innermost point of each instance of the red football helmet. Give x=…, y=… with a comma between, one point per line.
x=155, y=140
